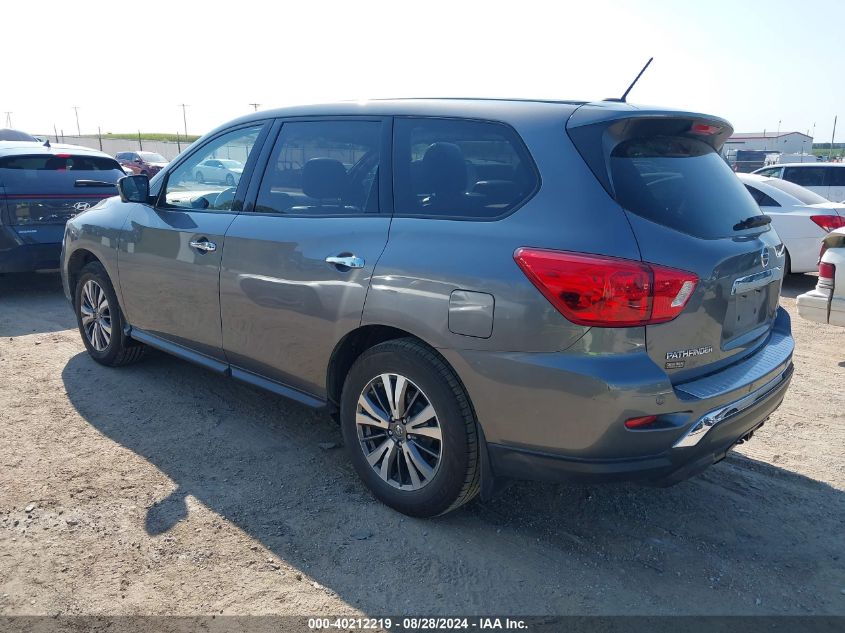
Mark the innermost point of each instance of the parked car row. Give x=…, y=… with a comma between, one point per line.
x=478, y=289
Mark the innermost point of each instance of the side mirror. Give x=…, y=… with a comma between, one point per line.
x=134, y=188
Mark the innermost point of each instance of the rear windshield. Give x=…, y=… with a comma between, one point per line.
x=60, y=162
x=681, y=183
x=152, y=157
x=796, y=191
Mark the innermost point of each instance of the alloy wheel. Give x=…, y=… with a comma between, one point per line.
x=96, y=315
x=399, y=432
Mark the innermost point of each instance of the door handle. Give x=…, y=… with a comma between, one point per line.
x=204, y=246
x=349, y=261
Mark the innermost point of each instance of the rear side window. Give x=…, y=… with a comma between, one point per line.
x=59, y=162
x=323, y=168
x=761, y=198
x=806, y=176
x=836, y=176
x=456, y=168
x=681, y=183
x=805, y=196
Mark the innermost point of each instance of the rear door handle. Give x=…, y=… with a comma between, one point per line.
x=349, y=261
x=204, y=246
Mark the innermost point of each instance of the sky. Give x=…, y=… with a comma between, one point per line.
x=128, y=65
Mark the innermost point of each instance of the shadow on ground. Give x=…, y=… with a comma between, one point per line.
x=35, y=296
x=794, y=285
x=746, y=537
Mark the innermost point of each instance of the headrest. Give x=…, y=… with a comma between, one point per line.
x=324, y=178
x=444, y=169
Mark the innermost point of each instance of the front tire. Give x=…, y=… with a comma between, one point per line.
x=100, y=320
x=410, y=430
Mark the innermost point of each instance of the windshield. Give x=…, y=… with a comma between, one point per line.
x=231, y=164
x=681, y=183
x=796, y=191
x=152, y=157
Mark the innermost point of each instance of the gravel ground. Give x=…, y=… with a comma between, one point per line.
x=161, y=488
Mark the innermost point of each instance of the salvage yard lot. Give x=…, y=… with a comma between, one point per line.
x=161, y=488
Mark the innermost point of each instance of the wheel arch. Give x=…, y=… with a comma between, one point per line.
x=80, y=258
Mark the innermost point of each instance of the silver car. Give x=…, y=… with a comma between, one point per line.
x=478, y=289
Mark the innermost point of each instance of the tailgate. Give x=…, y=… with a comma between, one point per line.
x=689, y=211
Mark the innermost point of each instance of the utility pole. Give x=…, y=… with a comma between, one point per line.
x=777, y=135
x=255, y=106
x=100, y=137
x=8, y=119
x=56, y=132
x=76, y=110
x=184, y=118
x=832, y=136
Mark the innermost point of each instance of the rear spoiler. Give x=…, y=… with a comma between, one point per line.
x=597, y=128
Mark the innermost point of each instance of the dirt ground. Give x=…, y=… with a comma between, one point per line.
x=161, y=488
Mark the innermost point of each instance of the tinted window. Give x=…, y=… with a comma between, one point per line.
x=771, y=173
x=59, y=162
x=459, y=168
x=681, y=183
x=805, y=196
x=761, y=198
x=191, y=188
x=806, y=176
x=322, y=168
x=836, y=176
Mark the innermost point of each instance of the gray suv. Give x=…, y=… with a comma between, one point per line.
x=480, y=290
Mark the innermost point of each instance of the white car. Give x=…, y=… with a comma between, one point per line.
x=826, y=302
x=222, y=170
x=825, y=179
x=801, y=218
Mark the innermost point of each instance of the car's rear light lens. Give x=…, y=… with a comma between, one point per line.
x=829, y=222
x=643, y=421
x=704, y=129
x=827, y=271
x=604, y=291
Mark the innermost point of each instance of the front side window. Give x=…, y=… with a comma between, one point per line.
x=322, y=168
x=193, y=186
x=769, y=173
x=460, y=168
x=806, y=176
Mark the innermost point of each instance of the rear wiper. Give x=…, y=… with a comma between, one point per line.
x=753, y=222
x=93, y=183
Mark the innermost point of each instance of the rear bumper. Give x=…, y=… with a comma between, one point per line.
x=24, y=258
x=674, y=465
x=560, y=416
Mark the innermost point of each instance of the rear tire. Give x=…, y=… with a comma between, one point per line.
x=787, y=265
x=424, y=460
x=100, y=319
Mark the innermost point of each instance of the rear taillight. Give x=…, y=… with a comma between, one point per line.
x=828, y=222
x=827, y=271
x=604, y=291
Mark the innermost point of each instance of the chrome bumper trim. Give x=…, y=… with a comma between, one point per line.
x=708, y=421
